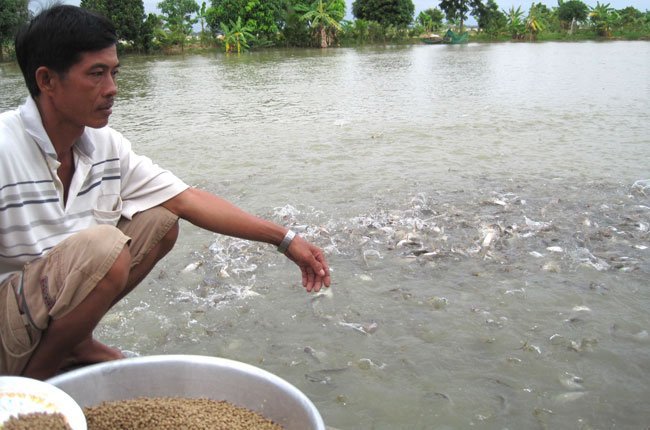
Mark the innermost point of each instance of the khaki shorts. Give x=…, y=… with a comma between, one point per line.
x=53, y=285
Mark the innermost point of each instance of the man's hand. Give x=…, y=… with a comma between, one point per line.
x=312, y=263
x=213, y=213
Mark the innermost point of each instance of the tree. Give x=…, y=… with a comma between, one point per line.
x=13, y=13
x=603, y=18
x=236, y=36
x=324, y=18
x=126, y=15
x=456, y=10
x=489, y=18
x=534, y=21
x=201, y=16
x=179, y=19
x=430, y=19
x=515, y=23
x=386, y=12
x=295, y=31
x=357, y=30
x=262, y=17
x=630, y=17
x=150, y=26
x=572, y=12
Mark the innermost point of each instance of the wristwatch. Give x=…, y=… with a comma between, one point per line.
x=282, y=248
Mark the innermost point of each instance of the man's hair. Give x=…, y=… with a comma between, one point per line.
x=57, y=37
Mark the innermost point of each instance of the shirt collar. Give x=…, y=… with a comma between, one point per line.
x=34, y=127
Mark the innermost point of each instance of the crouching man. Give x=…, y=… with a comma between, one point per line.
x=84, y=219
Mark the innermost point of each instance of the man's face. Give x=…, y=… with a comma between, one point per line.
x=85, y=94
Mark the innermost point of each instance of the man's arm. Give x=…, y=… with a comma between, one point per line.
x=213, y=213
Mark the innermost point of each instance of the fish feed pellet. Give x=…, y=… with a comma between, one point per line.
x=166, y=413
x=36, y=421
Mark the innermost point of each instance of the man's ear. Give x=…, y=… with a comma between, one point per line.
x=46, y=79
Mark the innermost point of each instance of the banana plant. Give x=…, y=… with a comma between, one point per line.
x=515, y=22
x=236, y=36
x=322, y=18
x=603, y=18
x=534, y=23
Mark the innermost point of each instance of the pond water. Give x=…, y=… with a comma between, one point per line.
x=485, y=210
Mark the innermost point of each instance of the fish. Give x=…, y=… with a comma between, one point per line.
x=370, y=253
x=641, y=186
x=571, y=381
x=324, y=376
x=570, y=396
x=366, y=364
x=361, y=328
x=223, y=272
x=318, y=356
x=489, y=237
x=192, y=266
x=537, y=225
x=246, y=269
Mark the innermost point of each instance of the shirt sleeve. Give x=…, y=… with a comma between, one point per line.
x=144, y=183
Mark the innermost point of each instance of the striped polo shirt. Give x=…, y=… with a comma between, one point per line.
x=109, y=181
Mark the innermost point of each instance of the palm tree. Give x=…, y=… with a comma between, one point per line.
x=236, y=36
x=321, y=17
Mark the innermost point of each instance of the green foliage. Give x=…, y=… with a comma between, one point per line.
x=548, y=17
x=323, y=19
x=515, y=23
x=127, y=16
x=430, y=19
x=13, y=13
x=264, y=18
x=603, y=18
x=236, y=36
x=295, y=32
x=179, y=16
x=455, y=10
x=535, y=21
x=398, y=13
x=202, y=17
x=571, y=12
x=376, y=32
x=355, y=31
x=151, y=26
x=489, y=18
x=630, y=17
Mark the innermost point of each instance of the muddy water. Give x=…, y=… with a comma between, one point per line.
x=485, y=210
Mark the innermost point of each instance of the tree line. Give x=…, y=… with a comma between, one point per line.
x=237, y=25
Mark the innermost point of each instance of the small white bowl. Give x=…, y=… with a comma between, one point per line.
x=20, y=395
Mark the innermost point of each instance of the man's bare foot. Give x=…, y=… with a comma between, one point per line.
x=91, y=351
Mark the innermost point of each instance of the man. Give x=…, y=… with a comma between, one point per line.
x=83, y=219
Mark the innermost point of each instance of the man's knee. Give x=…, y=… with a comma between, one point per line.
x=153, y=233
x=117, y=275
x=169, y=239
